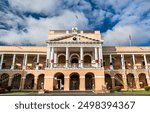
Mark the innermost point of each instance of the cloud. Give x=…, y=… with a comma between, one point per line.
x=37, y=29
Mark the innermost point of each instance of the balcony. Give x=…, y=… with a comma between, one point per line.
x=75, y=65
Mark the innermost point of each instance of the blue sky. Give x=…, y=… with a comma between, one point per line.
x=26, y=22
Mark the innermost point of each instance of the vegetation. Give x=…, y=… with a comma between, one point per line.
x=147, y=88
x=117, y=88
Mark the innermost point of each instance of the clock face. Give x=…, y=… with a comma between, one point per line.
x=74, y=38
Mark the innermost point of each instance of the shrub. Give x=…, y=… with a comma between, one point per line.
x=2, y=90
x=117, y=88
x=9, y=88
x=147, y=88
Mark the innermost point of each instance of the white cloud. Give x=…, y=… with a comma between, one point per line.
x=38, y=29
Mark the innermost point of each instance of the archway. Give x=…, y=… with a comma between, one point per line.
x=61, y=59
x=16, y=81
x=40, y=82
x=4, y=78
x=108, y=81
x=29, y=82
x=142, y=80
x=74, y=81
x=118, y=80
x=89, y=81
x=87, y=59
x=131, y=81
x=58, y=83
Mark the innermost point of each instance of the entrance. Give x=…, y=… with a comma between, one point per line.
x=74, y=82
x=89, y=81
x=58, y=81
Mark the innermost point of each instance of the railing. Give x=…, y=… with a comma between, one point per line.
x=75, y=65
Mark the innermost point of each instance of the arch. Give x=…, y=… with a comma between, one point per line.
x=4, y=78
x=58, y=81
x=40, y=81
x=108, y=81
x=131, y=80
x=29, y=81
x=74, y=81
x=61, y=58
x=74, y=58
x=142, y=80
x=118, y=80
x=16, y=81
x=87, y=59
x=89, y=81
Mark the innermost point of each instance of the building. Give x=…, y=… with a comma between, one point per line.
x=74, y=60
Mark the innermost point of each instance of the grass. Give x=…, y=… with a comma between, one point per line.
x=20, y=93
x=135, y=92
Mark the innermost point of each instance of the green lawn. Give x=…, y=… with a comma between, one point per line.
x=135, y=92
x=20, y=93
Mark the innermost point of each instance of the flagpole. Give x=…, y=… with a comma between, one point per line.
x=130, y=40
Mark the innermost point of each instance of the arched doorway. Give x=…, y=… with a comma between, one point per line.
x=40, y=82
x=29, y=82
x=131, y=81
x=89, y=81
x=142, y=80
x=87, y=59
x=58, y=83
x=74, y=81
x=16, y=81
x=61, y=59
x=74, y=60
x=108, y=81
x=4, y=78
x=118, y=80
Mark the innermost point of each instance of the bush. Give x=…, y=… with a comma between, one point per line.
x=2, y=90
x=147, y=88
x=9, y=88
x=117, y=88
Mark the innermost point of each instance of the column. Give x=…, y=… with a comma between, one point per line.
x=52, y=57
x=100, y=57
x=13, y=62
x=25, y=61
x=113, y=81
x=66, y=83
x=35, y=82
x=82, y=83
x=111, y=63
x=148, y=79
x=99, y=83
x=37, y=62
x=145, y=61
x=133, y=57
x=1, y=62
x=125, y=81
x=67, y=57
x=10, y=80
x=96, y=57
x=122, y=61
x=48, y=56
x=137, y=81
x=48, y=83
x=81, y=56
x=22, y=83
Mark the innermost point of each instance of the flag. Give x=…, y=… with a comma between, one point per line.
x=130, y=39
x=76, y=17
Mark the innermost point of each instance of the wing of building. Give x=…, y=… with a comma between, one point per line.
x=74, y=60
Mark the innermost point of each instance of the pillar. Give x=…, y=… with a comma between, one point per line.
x=82, y=83
x=125, y=81
x=37, y=62
x=96, y=57
x=67, y=57
x=100, y=57
x=1, y=62
x=133, y=57
x=137, y=81
x=145, y=61
x=35, y=82
x=113, y=81
x=52, y=57
x=81, y=56
x=10, y=80
x=22, y=83
x=148, y=80
x=48, y=56
x=48, y=83
x=66, y=83
x=25, y=61
x=13, y=62
x=122, y=61
x=111, y=63
x=99, y=82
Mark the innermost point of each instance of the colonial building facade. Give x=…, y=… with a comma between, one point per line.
x=74, y=60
